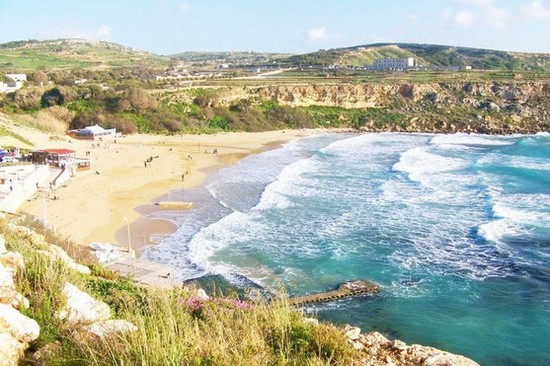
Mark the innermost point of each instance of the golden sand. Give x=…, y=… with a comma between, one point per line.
x=118, y=190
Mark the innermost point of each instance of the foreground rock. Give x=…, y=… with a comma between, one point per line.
x=16, y=329
x=81, y=307
x=383, y=352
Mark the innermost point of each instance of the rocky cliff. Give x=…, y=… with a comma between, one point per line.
x=486, y=107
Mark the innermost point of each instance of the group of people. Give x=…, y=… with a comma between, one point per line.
x=149, y=160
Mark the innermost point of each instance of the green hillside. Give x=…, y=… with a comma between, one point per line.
x=68, y=54
x=234, y=57
x=426, y=55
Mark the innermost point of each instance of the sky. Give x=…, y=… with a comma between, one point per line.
x=288, y=26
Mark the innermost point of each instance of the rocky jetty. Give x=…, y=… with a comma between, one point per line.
x=346, y=289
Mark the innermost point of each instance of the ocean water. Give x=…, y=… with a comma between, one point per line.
x=455, y=228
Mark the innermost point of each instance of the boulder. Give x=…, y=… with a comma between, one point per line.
x=430, y=356
x=58, y=253
x=385, y=352
x=21, y=327
x=11, y=350
x=7, y=286
x=81, y=307
x=8, y=292
x=107, y=327
x=352, y=333
x=27, y=233
x=12, y=261
x=39, y=357
x=201, y=294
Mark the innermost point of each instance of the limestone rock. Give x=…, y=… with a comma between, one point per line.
x=7, y=286
x=2, y=245
x=81, y=307
x=107, y=327
x=20, y=326
x=375, y=338
x=39, y=357
x=352, y=333
x=382, y=351
x=11, y=350
x=201, y=294
x=56, y=252
x=8, y=292
x=12, y=261
x=26, y=233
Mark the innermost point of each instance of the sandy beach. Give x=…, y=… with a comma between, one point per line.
x=98, y=205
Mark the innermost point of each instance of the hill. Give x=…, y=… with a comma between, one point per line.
x=426, y=55
x=234, y=57
x=68, y=54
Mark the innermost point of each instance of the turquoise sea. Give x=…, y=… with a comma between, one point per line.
x=455, y=228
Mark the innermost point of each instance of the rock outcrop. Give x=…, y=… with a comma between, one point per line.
x=380, y=351
x=81, y=307
x=84, y=313
x=16, y=329
x=515, y=106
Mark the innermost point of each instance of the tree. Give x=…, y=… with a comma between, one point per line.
x=27, y=98
x=140, y=100
x=38, y=77
x=84, y=119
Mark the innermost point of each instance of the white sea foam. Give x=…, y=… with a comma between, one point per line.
x=473, y=140
x=520, y=162
x=421, y=165
x=290, y=182
x=496, y=230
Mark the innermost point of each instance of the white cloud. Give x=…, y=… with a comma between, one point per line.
x=474, y=2
x=497, y=17
x=477, y=13
x=318, y=35
x=74, y=30
x=103, y=32
x=185, y=8
x=463, y=19
x=538, y=10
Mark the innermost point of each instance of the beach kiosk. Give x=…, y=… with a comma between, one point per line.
x=95, y=132
x=60, y=158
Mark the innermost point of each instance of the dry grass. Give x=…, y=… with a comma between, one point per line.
x=54, y=120
x=175, y=327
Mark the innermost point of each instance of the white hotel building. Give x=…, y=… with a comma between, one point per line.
x=394, y=63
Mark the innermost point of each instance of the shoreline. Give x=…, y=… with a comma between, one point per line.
x=146, y=231
x=118, y=191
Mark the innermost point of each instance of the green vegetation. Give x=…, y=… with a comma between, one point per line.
x=5, y=132
x=71, y=54
x=426, y=55
x=175, y=327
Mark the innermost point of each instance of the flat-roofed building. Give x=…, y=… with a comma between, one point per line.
x=394, y=63
x=93, y=132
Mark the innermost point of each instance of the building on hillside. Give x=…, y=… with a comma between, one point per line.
x=93, y=132
x=14, y=83
x=17, y=77
x=60, y=158
x=394, y=63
